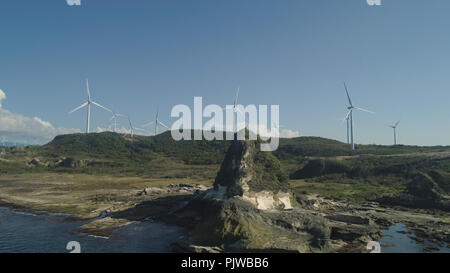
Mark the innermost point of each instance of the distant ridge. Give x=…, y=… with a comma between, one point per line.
x=210, y=152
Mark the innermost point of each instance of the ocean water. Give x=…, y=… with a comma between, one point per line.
x=394, y=241
x=28, y=233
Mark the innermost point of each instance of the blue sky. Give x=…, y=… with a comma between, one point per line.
x=296, y=53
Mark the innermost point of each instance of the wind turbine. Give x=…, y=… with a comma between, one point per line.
x=132, y=129
x=349, y=116
x=114, y=118
x=235, y=109
x=395, y=131
x=88, y=104
x=347, y=119
x=156, y=122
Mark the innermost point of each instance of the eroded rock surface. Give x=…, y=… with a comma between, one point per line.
x=250, y=209
x=252, y=175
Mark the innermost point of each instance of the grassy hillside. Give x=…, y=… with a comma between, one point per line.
x=321, y=147
x=314, y=164
x=111, y=153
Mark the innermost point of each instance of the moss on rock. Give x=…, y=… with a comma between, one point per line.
x=245, y=165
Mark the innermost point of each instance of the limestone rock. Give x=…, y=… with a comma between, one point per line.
x=254, y=176
x=249, y=208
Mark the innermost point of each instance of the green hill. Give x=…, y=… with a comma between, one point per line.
x=322, y=147
x=319, y=161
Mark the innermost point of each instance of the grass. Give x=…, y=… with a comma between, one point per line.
x=114, y=160
x=353, y=191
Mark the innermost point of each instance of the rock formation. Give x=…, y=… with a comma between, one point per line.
x=252, y=175
x=250, y=208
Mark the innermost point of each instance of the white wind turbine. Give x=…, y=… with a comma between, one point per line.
x=88, y=104
x=347, y=119
x=235, y=110
x=132, y=129
x=114, y=119
x=395, y=131
x=156, y=122
x=349, y=116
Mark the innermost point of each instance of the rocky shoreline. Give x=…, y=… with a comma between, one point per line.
x=249, y=208
x=350, y=226
x=236, y=216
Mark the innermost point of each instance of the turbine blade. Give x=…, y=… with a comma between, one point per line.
x=236, y=97
x=397, y=123
x=239, y=111
x=163, y=124
x=79, y=107
x=348, y=96
x=362, y=109
x=87, y=90
x=148, y=124
x=347, y=116
x=93, y=102
x=129, y=121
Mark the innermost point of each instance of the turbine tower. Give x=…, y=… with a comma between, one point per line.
x=347, y=119
x=114, y=118
x=131, y=127
x=348, y=130
x=88, y=104
x=156, y=122
x=349, y=116
x=395, y=131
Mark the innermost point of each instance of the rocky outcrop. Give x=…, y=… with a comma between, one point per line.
x=72, y=163
x=36, y=162
x=174, y=188
x=250, y=209
x=236, y=225
x=252, y=175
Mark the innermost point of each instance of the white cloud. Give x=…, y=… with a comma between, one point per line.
x=19, y=128
x=265, y=131
x=286, y=133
